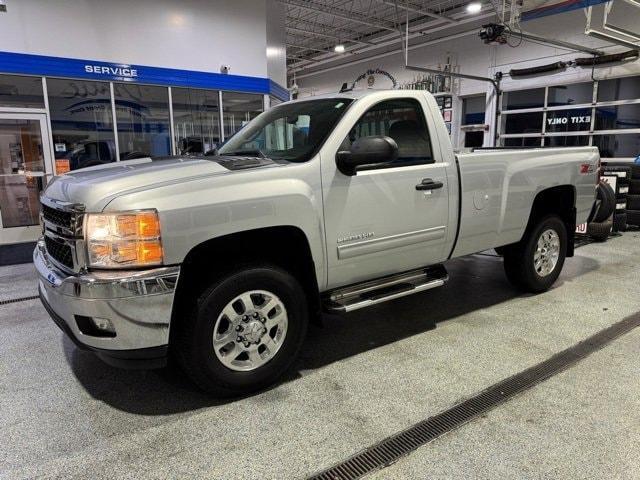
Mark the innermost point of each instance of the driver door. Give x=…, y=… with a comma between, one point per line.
x=376, y=222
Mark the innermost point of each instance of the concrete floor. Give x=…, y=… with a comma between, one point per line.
x=361, y=377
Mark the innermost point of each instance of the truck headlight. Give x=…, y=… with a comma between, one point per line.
x=123, y=239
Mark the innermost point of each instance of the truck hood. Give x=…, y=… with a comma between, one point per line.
x=95, y=186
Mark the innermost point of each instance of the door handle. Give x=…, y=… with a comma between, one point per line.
x=429, y=184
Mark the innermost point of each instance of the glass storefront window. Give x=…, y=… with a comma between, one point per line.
x=618, y=117
x=617, y=145
x=142, y=114
x=574, y=120
x=523, y=99
x=522, y=123
x=573, y=94
x=21, y=152
x=238, y=109
x=21, y=92
x=196, y=120
x=627, y=88
x=81, y=122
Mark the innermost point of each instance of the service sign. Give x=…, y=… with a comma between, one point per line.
x=125, y=71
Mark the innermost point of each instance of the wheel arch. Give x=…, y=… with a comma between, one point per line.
x=559, y=200
x=284, y=246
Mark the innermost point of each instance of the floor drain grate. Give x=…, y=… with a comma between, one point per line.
x=16, y=300
x=392, y=448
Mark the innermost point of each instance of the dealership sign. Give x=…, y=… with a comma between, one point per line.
x=112, y=71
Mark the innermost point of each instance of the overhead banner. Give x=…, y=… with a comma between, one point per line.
x=541, y=8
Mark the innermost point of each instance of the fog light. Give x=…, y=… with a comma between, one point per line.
x=95, y=327
x=103, y=324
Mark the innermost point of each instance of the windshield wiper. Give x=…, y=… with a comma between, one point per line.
x=249, y=152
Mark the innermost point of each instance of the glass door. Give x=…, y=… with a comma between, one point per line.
x=25, y=161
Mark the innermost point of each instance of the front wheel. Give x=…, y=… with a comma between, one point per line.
x=244, y=332
x=534, y=263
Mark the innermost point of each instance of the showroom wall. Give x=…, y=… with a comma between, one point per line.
x=188, y=34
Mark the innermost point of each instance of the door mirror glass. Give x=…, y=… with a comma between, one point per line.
x=367, y=151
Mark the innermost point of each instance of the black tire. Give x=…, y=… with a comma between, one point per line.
x=519, y=257
x=633, y=202
x=619, y=222
x=633, y=217
x=635, y=171
x=607, y=198
x=600, y=231
x=634, y=187
x=194, y=346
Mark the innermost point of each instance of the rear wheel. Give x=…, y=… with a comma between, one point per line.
x=244, y=332
x=534, y=263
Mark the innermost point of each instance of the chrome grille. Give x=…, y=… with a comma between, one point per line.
x=57, y=217
x=62, y=229
x=59, y=251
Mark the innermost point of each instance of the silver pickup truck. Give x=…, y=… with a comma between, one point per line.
x=338, y=203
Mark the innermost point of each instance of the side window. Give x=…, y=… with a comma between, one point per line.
x=402, y=120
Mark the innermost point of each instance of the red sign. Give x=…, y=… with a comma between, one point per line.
x=62, y=166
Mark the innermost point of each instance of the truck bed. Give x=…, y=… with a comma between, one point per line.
x=498, y=187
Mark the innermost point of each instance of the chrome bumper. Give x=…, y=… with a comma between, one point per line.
x=137, y=303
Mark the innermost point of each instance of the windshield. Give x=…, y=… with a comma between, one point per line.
x=292, y=132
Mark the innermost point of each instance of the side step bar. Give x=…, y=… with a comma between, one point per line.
x=361, y=295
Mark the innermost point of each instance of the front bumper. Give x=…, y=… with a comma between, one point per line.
x=138, y=304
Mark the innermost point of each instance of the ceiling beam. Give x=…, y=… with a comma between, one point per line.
x=313, y=6
x=410, y=8
x=309, y=33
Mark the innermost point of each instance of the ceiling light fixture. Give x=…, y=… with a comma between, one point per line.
x=474, y=7
x=339, y=48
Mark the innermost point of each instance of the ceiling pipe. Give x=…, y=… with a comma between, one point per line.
x=615, y=29
x=493, y=81
x=606, y=36
x=610, y=38
x=559, y=43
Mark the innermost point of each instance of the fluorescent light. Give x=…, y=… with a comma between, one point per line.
x=339, y=48
x=474, y=7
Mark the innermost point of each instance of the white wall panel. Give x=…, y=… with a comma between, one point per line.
x=185, y=34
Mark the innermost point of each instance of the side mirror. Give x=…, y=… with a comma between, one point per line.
x=367, y=151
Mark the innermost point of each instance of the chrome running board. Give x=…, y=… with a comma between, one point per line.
x=366, y=294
